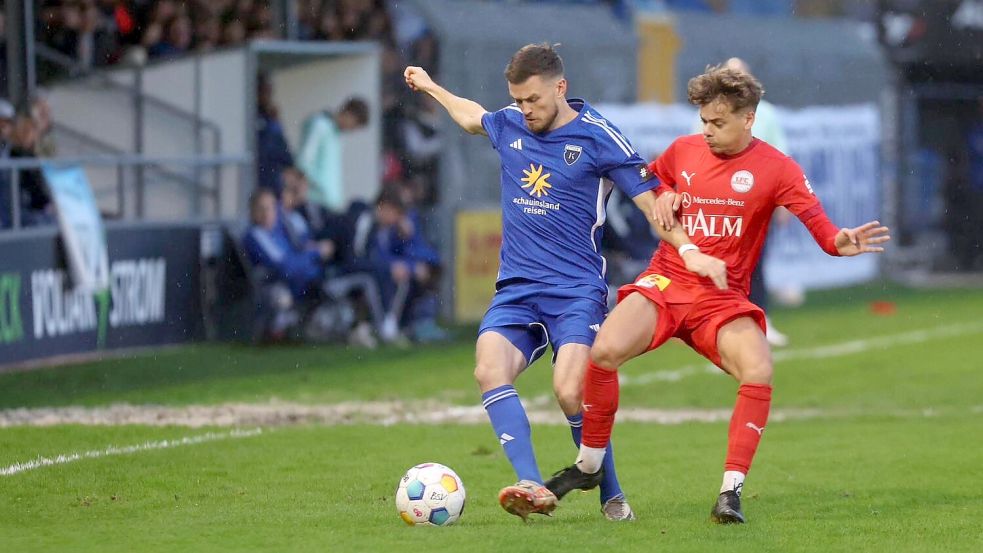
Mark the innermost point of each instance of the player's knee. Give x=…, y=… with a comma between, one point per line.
x=488, y=376
x=482, y=374
x=569, y=397
x=607, y=353
x=756, y=372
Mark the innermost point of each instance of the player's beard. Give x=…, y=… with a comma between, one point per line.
x=542, y=124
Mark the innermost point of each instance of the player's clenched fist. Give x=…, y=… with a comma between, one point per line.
x=417, y=79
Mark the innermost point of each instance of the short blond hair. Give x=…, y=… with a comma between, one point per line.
x=739, y=89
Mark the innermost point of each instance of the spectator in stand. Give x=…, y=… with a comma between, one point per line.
x=268, y=245
x=269, y=250
x=353, y=18
x=323, y=223
x=176, y=39
x=378, y=26
x=82, y=36
x=283, y=260
x=327, y=27
x=261, y=22
x=406, y=267
x=272, y=151
x=35, y=200
x=208, y=32
x=308, y=12
x=319, y=156
x=41, y=112
x=233, y=30
x=359, y=287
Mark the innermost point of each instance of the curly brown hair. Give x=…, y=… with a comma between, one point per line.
x=534, y=59
x=739, y=89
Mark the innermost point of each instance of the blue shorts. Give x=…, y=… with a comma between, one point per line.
x=532, y=315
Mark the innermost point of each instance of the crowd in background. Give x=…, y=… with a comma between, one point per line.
x=318, y=252
x=364, y=274
x=382, y=246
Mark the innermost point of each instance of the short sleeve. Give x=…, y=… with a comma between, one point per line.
x=494, y=122
x=618, y=161
x=632, y=177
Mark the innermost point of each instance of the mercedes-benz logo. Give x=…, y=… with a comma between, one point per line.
x=687, y=200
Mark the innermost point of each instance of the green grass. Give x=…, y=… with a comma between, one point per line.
x=893, y=465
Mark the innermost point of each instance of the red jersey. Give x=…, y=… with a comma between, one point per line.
x=727, y=206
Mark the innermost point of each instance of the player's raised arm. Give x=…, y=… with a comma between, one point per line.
x=797, y=195
x=466, y=113
x=845, y=242
x=696, y=261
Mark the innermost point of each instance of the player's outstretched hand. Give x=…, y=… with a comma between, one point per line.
x=863, y=239
x=417, y=78
x=707, y=266
x=666, y=206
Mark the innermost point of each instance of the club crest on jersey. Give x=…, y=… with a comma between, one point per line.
x=571, y=153
x=742, y=181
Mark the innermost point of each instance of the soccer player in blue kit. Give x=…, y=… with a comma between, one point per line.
x=558, y=159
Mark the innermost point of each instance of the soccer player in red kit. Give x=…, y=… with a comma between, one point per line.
x=724, y=185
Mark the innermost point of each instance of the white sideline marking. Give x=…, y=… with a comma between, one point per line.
x=819, y=352
x=879, y=342
x=126, y=450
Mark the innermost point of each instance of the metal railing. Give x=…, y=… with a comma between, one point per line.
x=101, y=148
x=141, y=100
x=13, y=167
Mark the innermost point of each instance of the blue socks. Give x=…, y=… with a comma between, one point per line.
x=511, y=425
x=609, y=483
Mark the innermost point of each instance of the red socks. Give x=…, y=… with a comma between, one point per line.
x=600, y=405
x=746, y=425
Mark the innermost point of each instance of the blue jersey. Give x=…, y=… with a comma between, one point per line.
x=554, y=187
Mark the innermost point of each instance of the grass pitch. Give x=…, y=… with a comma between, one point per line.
x=881, y=451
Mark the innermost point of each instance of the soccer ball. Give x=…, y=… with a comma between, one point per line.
x=430, y=495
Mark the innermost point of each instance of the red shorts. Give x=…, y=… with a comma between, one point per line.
x=695, y=320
